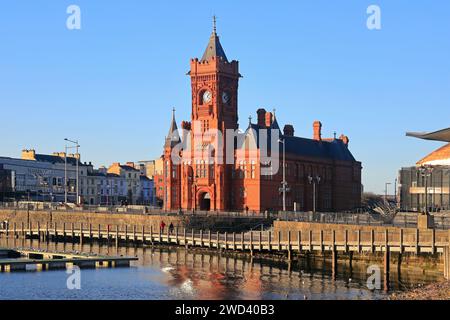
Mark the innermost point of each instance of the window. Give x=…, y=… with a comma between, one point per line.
x=211, y=171
x=245, y=169
x=241, y=169
x=166, y=169
x=253, y=170
x=174, y=171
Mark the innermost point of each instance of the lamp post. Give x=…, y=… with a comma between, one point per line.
x=284, y=183
x=426, y=171
x=76, y=146
x=386, y=190
x=314, y=180
x=395, y=192
x=194, y=192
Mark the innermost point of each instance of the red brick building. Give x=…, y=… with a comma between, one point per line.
x=199, y=182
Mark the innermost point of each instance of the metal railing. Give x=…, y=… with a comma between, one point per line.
x=402, y=219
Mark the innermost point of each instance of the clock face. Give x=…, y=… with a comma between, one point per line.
x=207, y=97
x=226, y=97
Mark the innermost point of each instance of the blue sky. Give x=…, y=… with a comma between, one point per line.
x=113, y=83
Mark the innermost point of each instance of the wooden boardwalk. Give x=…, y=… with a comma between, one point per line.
x=341, y=239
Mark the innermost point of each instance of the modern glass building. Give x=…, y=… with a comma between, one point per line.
x=427, y=183
x=412, y=189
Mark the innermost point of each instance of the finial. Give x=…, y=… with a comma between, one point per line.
x=214, y=23
x=335, y=135
x=274, y=110
x=250, y=120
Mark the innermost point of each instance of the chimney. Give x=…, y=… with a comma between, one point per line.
x=29, y=154
x=261, y=117
x=317, y=130
x=288, y=130
x=269, y=119
x=186, y=125
x=344, y=139
x=130, y=164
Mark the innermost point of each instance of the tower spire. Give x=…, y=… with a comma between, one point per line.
x=214, y=48
x=172, y=137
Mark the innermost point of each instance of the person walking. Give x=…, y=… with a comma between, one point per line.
x=162, y=226
x=171, y=227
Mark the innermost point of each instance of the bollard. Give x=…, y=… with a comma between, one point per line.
x=289, y=242
x=279, y=240
x=251, y=243
x=176, y=236
x=260, y=240
x=217, y=241
x=168, y=235
x=299, y=241
x=226, y=241
x=117, y=235
x=201, y=238
x=81, y=234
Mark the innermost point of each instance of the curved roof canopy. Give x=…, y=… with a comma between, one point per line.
x=441, y=135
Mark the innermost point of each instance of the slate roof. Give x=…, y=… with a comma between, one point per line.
x=334, y=149
x=214, y=49
x=128, y=168
x=55, y=159
x=172, y=138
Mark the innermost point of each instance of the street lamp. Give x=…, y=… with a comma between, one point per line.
x=284, y=183
x=426, y=171
x=314, y=180
x=386, y=190
x=76, y=146
x=194, y=192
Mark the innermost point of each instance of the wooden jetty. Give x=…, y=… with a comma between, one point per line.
x=342, y=239
x=22, y=260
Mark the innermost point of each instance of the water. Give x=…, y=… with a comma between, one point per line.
x=163, y=274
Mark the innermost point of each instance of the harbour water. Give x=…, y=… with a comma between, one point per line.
x=177, y=273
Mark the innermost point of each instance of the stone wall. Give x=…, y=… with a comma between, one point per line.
x=365, y=230
x=213, y=223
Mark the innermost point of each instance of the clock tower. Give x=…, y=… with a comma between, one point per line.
x=214, y=83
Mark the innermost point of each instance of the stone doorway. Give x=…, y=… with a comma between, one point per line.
x=205, y=202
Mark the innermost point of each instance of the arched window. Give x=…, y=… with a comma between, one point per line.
x=253, y=170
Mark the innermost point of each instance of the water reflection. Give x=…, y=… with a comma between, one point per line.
x=176, y=273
